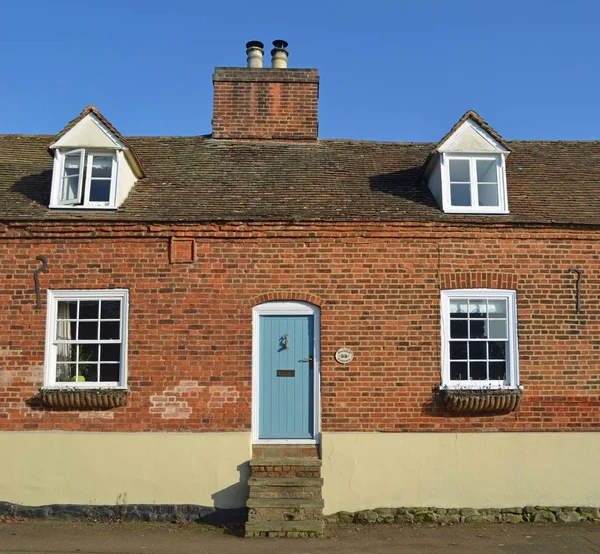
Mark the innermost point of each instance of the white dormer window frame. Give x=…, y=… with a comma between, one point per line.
x=474, y=183
x=81, y=181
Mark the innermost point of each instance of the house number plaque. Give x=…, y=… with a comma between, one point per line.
x=344, y=355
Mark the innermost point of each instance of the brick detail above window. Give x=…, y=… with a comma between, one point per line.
x=478, y=280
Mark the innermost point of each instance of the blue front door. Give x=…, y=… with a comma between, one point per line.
x=286, y=369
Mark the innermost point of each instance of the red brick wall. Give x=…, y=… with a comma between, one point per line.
x=265, y=104
x=190, y=336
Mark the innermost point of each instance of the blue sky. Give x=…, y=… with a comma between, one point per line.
x=390, y=70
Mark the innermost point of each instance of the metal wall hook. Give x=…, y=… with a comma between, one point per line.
x=36, y=280
x=577, y=287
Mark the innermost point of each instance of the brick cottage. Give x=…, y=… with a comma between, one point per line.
x=263, y=318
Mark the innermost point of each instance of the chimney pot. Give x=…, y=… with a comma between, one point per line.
x=254, y=51
x=279, y=54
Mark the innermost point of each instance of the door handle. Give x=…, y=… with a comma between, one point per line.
x=310, y=361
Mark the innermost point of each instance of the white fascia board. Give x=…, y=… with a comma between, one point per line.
x=448, y=144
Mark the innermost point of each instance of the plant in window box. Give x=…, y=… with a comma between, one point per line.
x=94, y=399
x=485, y=399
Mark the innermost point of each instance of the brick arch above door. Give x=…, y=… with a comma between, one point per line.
x=287, y=296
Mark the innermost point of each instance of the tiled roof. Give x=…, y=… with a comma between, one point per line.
x=202, y=179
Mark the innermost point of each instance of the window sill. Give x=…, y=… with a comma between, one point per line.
x=67, y=208
x=83, y=399
x=481, y=400
x=475, y=211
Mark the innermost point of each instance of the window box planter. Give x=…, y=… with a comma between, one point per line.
x=84, y=399
x=462, y=400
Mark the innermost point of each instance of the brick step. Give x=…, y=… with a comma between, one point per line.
x=285, y=451
x=285, y=529
x=305, y=462
x=284, y=482
x=285, y=467
x=282, y=487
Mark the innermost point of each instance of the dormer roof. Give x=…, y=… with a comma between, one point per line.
x=483, y=136
x=91, y=129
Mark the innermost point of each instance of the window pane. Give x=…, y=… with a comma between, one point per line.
x=109, y=330
x=65, y=330
x=497, y=350
x=477, y=308
x=65, y=372
x=72, y=169
x=88, y=309
x=458, y=308
x=497, y=329
x=459, y=329
x=486, y=171
x=67, y=310
x=99, y=191
x=110, y=352
x=458, y=371
x=71, y=188
x=109, y=372
x=88, y=352
x=101, y=166
x=497, y=308
x=459, y=171
x=72, y=164
x=88, y=330
x=111, y=309
x=478, y=371
x=90, y=372
x=488, y=195
x=497, y=371
x=477, y=351
x=460, y=194
x=477, y=329
x=66, y=352
x=458, y=350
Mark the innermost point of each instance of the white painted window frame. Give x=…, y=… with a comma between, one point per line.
x=283, y=309
x=84, y=187
x=474, y=208
x=54, y=296
x=512, y=355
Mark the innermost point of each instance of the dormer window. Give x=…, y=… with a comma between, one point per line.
x=466, y=171
x=95, y=168
x=473, y=183
x=88, y=178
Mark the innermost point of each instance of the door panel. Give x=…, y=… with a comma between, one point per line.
x=286, y=394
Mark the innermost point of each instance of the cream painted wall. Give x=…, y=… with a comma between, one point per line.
x=455, y=470
x=360, y=470
x=469, y=141
x=127, y=179
x=86, y=134
x=209, y=469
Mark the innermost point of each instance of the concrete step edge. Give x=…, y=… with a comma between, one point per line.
x=257, y=526
x=285, y=503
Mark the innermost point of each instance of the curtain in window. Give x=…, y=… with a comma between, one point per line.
x=63, y=351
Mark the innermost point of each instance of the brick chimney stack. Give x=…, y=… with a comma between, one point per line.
x=256, y=103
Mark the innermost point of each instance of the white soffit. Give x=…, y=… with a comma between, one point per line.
x=90, y=132
x=470, y=137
